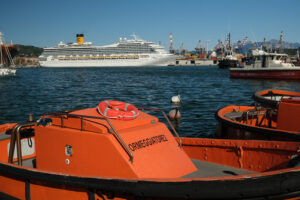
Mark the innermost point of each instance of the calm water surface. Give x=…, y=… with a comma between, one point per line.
x=203, y=91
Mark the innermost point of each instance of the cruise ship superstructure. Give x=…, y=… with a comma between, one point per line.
x=133, y=52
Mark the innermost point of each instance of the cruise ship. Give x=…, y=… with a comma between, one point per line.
x=125, y=52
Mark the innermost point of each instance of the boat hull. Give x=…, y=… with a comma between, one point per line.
x=289, y=73
x=225, y=64
x=231, y=129
x=18, y=182
x=271, y=98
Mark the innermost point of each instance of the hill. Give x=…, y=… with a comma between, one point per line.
x=28, y=51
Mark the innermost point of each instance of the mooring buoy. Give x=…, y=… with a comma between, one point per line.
x=174, y=114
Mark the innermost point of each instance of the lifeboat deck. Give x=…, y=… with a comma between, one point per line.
x=209, y=169
x=205, y=169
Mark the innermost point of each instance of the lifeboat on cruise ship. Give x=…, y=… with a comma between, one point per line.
x=276, y=120
x=83, y=155
x=272, y=98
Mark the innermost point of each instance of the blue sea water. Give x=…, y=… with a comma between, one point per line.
x=203, y=89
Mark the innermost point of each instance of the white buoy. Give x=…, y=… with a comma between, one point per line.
x=176, y=99
x=174, y=114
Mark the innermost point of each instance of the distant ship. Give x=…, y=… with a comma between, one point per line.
x=265, y=65
x=134, y=52
x=230, y=60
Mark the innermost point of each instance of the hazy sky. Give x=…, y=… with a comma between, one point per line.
x=45, y=23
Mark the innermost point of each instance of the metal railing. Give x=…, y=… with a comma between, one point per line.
x=170, y=124
x=16, y=138
x=65, y=115
x=112, y=130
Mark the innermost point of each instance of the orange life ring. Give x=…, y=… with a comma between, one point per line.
x=117, y=110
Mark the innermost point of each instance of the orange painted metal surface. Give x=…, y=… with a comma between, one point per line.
x=85, y=150
x=96, y=152
x=98, y=125
x=259, y=156
x=278, y=92
x=4, y=143
x=272, y=98
x=281, y=124
x=289, y=114
x=253, y=155
x=252, y=119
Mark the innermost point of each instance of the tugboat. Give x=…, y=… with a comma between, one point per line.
x=229, y=60
x=116, y=150
x=277, y=120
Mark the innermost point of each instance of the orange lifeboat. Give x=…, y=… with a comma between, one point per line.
x=282, y=122
x=84, y=155
x=272, y=98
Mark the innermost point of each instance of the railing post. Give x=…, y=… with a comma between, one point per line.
x=170, y=124
x=120, y=140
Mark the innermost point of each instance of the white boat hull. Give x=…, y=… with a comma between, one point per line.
x=7, y=71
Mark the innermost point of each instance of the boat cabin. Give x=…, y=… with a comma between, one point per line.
x=262, y=59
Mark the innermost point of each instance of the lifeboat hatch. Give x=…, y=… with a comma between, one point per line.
x=289, y=114
x=85, y=143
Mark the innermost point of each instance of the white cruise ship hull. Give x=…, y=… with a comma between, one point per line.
x=109, y=62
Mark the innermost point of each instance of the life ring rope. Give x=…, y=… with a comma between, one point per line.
x=117, y=110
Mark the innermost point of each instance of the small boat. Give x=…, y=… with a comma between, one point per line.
x=7, y=65
x=265, y=123
x=265, y=65
x=83, y=154
x=272, y=98
x=229, y=60
x=7, y=71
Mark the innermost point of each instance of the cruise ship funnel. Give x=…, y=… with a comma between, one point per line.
x=80, y=39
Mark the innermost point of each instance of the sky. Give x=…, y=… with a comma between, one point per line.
x=44, y=23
